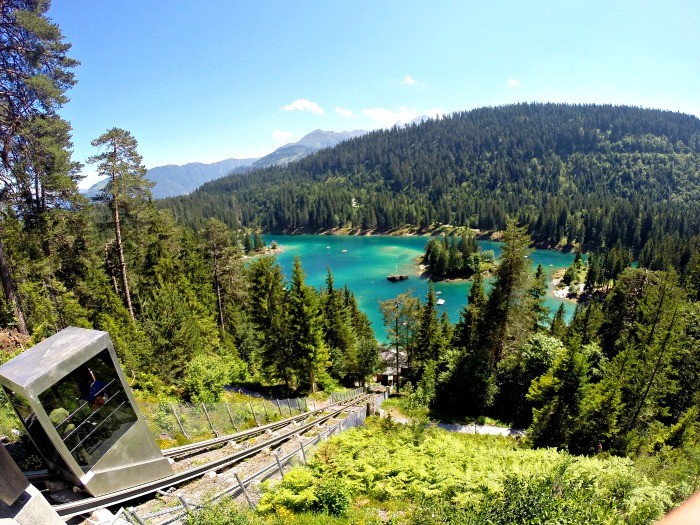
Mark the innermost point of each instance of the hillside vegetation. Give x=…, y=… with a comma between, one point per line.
x=193, y=307
x=412, y=475
x=595, y=175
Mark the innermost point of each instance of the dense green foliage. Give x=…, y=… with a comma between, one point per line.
x=36, y=172
x=619, y=378
x=452, y=257
x=439, y=477
x=595, y=175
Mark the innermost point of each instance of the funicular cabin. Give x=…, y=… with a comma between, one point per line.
x=79, y=411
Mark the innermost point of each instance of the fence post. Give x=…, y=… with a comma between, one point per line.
x=279, y=464
x=267, y=418
x=230, y=416
x=279, y=407
x=289, y=406
x=245, y=492
x=185, y=504
x=301, y=444
x=211, y=425
x=253, y=412
x=177, y=418
x=132, y=513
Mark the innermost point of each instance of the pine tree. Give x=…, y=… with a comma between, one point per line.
x=361, y=325
x=338, y=334
x=507, y=319
x=258, y=243
x=516, y=372
x=586, y=322
x=464, y=385
x=308, y=350
x=218, y=238
x=465, y=334
x=247, y=243
x=269, y=312
x=558, y=326
x=556, y=397
x=538, y=292
x=429, y=338
x=35, y=73
x=127, y=185
x=180, y=328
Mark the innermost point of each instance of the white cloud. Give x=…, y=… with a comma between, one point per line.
x=344, y=112
x=281, y=135
x=91, y=177
x=513, y=83
x=386, y=118
x=301, y=104
x=408, y=79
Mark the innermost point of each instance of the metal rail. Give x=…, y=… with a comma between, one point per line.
x=186, y=507
x=193, y=448
x=89, y=504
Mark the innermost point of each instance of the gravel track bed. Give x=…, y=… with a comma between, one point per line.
x=213, y=483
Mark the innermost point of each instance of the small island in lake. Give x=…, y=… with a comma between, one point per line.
x=396, y=278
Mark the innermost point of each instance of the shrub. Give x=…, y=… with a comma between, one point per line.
x=206, y=377
x=332, y=497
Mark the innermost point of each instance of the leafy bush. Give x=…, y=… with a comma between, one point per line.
x=479, y=479
x=295, y=492
x=207, y=374
x=332, y=497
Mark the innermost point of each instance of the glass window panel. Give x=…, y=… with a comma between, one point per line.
x=89, y=409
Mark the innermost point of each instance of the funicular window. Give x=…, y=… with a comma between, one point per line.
x=34, y=429
x=89, y=409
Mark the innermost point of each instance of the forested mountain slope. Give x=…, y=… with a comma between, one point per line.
x=591, y=174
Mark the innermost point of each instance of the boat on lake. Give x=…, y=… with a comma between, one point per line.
x=396, y=278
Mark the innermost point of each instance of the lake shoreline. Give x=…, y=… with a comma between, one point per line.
x=413, y=231
x=422, y=271
x=363, y=262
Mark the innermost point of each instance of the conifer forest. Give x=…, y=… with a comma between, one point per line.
x=194, y=300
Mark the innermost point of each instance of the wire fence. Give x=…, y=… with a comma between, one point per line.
x=186, y=506
x=175, y=424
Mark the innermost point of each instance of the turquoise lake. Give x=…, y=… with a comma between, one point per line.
x=363, y=263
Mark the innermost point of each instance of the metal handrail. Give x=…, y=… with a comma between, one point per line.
x=87, y=419
x=97, y=427
x=70, y=416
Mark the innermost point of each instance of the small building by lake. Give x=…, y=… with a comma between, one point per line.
x=388, y=376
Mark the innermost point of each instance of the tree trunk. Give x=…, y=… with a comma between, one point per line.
x=218, y=294
x=122, y=263
x=10, y=291
x=118, y=235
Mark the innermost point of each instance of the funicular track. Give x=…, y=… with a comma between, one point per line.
x=291, y=427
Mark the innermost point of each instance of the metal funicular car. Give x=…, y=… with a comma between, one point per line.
x=77, y=408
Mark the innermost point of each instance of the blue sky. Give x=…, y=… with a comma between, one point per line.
x=206, y=80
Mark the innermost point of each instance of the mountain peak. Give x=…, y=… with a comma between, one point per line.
x=310, y=143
